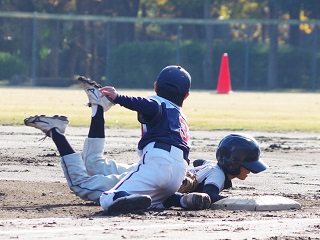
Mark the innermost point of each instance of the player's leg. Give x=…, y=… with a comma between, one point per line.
x=121, y=201
x=117, y=199
x=62, y=144
x=157, y=176
x=84, y=186
x=94, y=145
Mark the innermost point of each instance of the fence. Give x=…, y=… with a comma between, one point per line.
x=48, y=50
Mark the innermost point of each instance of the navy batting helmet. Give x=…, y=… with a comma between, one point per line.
x=236, y=150
x=174, y=79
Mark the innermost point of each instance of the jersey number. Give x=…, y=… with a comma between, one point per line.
x=184, y=130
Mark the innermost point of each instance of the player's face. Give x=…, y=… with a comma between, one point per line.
x=243, y=173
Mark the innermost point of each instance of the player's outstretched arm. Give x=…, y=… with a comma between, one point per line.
x=213, y=192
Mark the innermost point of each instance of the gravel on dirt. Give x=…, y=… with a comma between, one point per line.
x=32, y=185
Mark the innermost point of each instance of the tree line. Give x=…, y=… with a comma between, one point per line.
x=72, y=40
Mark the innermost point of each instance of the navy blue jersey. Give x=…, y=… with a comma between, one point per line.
x=161, y=120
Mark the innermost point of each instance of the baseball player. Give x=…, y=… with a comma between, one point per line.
x=237, y=155
x=164, y=145
x=162, y=167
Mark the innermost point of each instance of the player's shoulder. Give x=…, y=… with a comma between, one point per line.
x=161, y=100
x=208, y=165
x=215, y=175
x=154, y=98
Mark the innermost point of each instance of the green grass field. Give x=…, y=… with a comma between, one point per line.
x=205, y=110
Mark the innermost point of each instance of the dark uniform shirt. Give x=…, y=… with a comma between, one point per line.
x=161, y=121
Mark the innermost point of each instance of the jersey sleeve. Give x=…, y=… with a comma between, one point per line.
x=144, y=106
x=210, y=174
x=213, y=192
x=216, y=178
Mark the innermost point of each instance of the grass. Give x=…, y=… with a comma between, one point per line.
x=205, y=110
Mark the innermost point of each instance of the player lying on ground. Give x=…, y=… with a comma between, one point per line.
x=164, y=145
x=90, y=175
x=237, y=155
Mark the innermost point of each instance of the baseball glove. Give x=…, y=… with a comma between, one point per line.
x=189, y=184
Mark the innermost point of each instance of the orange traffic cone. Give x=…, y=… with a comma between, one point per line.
x=224, y=82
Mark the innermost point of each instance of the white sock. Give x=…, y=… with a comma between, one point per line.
x=94, y=109
x=182, y=203
x=57, y=130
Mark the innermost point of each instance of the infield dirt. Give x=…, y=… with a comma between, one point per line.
x=33, y=187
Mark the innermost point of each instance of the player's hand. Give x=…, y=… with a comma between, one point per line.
x=109, y=91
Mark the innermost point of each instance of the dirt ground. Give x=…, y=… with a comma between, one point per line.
x=32, y=185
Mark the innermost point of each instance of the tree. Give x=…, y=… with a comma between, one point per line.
x=273, y=32
x=208, y=61
x=295, y=9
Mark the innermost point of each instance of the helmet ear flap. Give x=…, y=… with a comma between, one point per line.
x=228, y=157
x=229, y=166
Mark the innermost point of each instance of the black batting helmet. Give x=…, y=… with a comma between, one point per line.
x=236, y=150
x=174, y=79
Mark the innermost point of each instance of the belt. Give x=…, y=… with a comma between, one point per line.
x=163, y=146
x=167, y=147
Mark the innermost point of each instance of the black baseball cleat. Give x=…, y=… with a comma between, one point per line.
x=129, y=203
x=93, y=93
x=197, y=201
x=85, y=80
x=46, y=123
